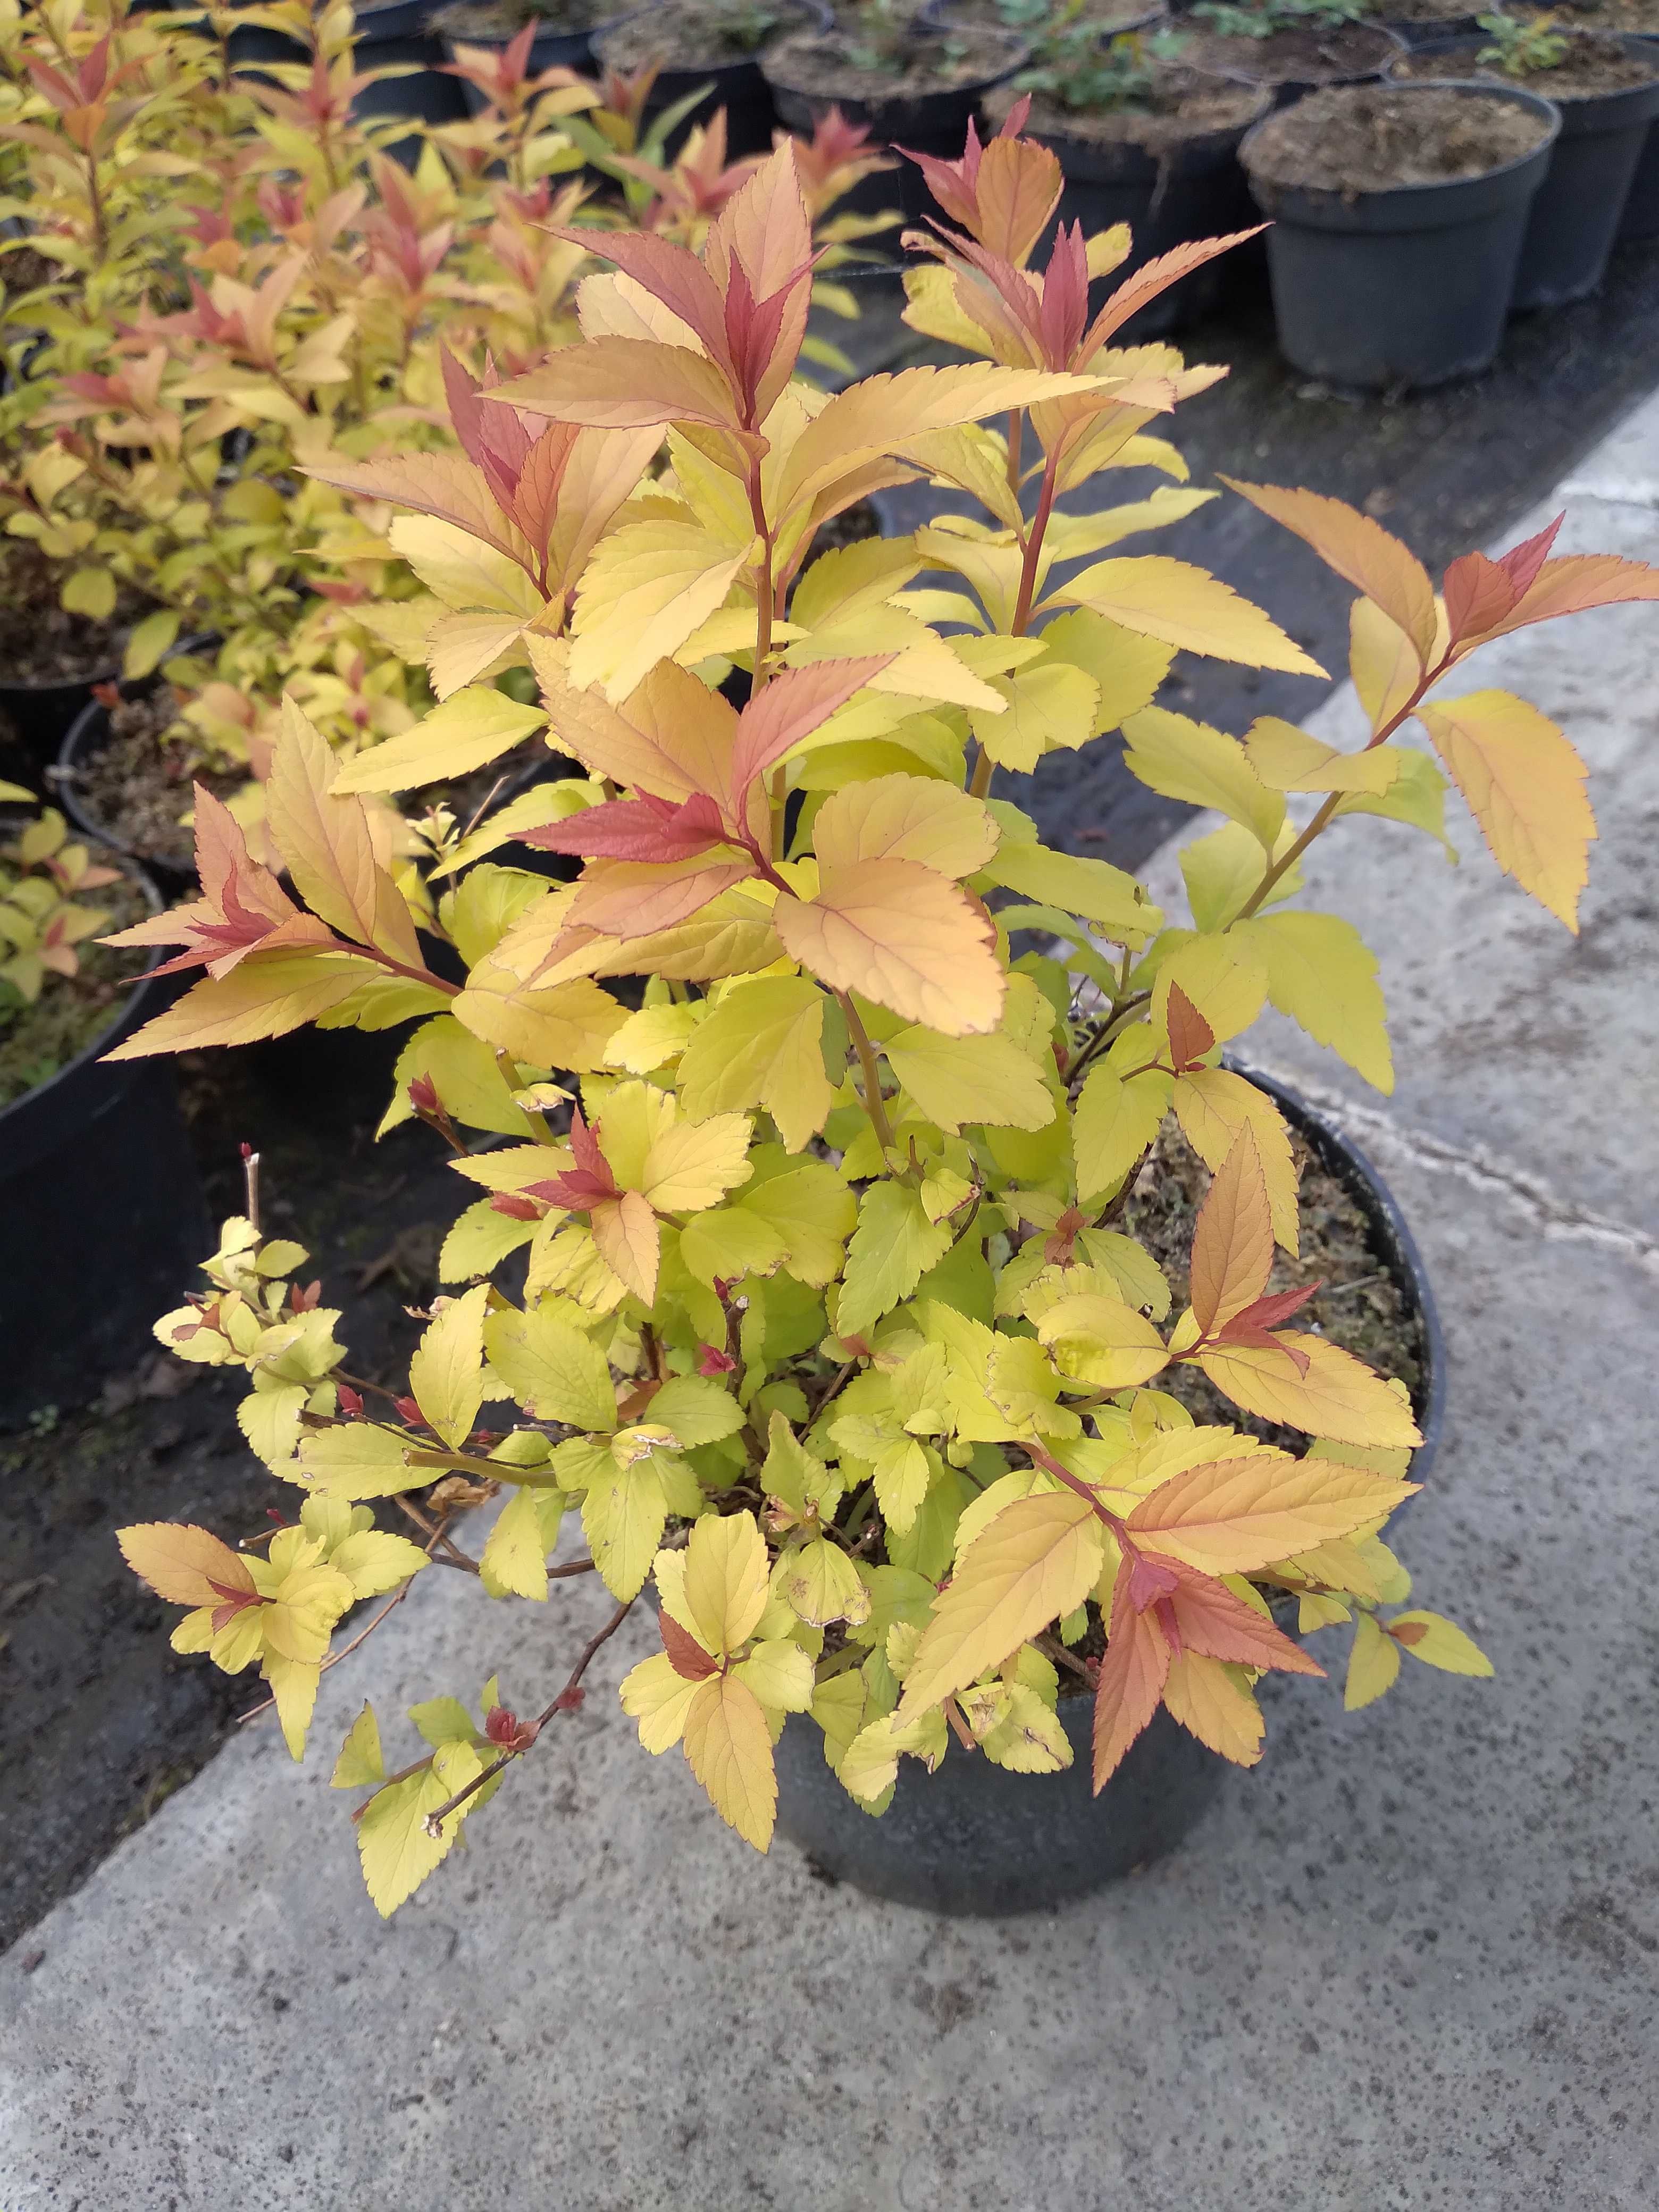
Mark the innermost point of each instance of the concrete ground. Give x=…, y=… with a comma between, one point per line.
x=1407, y=1965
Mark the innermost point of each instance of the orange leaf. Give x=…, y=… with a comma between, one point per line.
x=1233, y=1515
x=268, y=995
x=1016, y=191
x=627, y=1239
x=631, y=898
x=1525, y=786
x=1132, y=1678
x=326, y=841
x=901, y=934
x=623, y=384
x=1233, y=1241
x=1214, y=1623
x=1148, y=281
x=1359, y=549
x=1580, y=580
x=185, y=1564
x=1190, y=1034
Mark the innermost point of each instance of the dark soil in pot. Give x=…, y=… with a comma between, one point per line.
x=118, y=780
x=850, y=527
x=97, y=1187
x=1297, y=61
x=1608, y=92
x=49, y=659
x=1416, y=20
x=1167, y=165
x=719, y=42
x=923, y=102
x=1399, y=212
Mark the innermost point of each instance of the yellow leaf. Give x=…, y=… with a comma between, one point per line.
x=1187, y=607
x=659, y=1698
x=1373, y=1665
x=565, y=1025
x=461, y=570
x=1115, y=1125
x=1092, y=890
x=1382, y=662
x=392, y=1843
x=467, y=731
x=360, y=1759
x=1039, y=1558
x=779, y=1673
x=1338, y=1397
x=1232, y=1516
x=358, y=1460
x=627, y=1239
x=694, y=1164
x=89, y=591
x=553, y=1370
x=726, y=1581
x=645, y=590
x=762, y=1045
x=266, y=995
x=1125, y=667
x=623, y=1515
x=1440, y=1643
x=902, y=935
x=1052, y=707
x=1525, y=787
x=1209, y=1699
x=1221, y=976
x=729, y=1748
x=513, y=1562
x=446, y=1373
x=1322, y=974
x=1287, y=759
x=1102, y=1342
x=460, y=647
x=820, y=1583
x=325, y=840
x=185, y=1564
x=980, y=1080
x=1183, y=759
x=905, y=818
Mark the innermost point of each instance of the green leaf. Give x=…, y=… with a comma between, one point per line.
x=1321, y=973
x=762, y=1046
x=893, y=1246
x=446, y=1371
x=983, y=1079
x=513, y=1563
x=360, y=1759
x=392, y=1845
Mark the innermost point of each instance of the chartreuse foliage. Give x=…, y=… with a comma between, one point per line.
x=815, y=1318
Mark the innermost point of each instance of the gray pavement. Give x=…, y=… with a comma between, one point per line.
x=1407, y=1965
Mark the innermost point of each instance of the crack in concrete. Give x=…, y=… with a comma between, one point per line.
x=1555, y=1217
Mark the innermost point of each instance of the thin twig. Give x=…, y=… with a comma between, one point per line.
x=563, y=1702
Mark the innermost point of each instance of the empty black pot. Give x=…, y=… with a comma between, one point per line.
x=41, y=714
x=103, y=1214
x=1193, y=189
x=741, y=87
x=1581, y=203
x=929, y=123
x=972, y=1838
x=1403, y=288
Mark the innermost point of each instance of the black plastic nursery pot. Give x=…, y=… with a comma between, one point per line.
x=554, y=47
x=396, y=34
x=930, y=123
x=1580, y=205
x=1292, y=62
x=974, y=1839
x=1188, y=188
x=1127, y=15
x=43, y=714
x=741, y=86
x=104, y=1218
x=1406, y=287
x=1641, y=217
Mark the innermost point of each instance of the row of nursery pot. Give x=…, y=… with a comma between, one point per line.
x=1411, y=218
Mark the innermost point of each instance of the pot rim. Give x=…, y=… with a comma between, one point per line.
x=1394, y=46
x=1343, y=1159
x=819, y=16
x=62, y=776
x=1017, y=48
x=1404, y=195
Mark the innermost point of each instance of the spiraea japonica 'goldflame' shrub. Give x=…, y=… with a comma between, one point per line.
x=825, y=1327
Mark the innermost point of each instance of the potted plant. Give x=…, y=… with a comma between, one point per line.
x=1142, y=139
x=1291, y=47
x=1416, y=21
x=707, y=54
x=1033, y=18
x=555, y=33
x=802, y=1279
x=913, y=81
x=64, y=625
x=1607, y=90
x=88, y=1152
x=1399, y=213
x=1630, y=19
